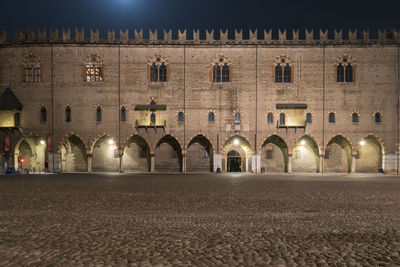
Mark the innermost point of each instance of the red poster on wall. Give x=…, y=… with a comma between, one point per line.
x=6, y=143
x=48, y=142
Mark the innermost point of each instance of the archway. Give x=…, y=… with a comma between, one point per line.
x=274, y=154
x=136, y=156
x=370, y=155
x=105, y=155
x=30, y=154
x=306, y=155
x=242, y=149
x=234, y=161
x=200, y=155
x=73, y=155
x=168, y=155
x=338, y=155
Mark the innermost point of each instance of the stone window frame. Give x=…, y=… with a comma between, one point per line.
x=93, y=69
x=311, y=114
x=273, y=116
x=99, y=107
x=68, y=109
x=157, y=61
x=125, y=106
x=32, y=70
x=208, y=115
x=355, y=112
x=344, y=61
x=220, y=61
x=234, y=113
x=181, y=111
x=334, y=116
x=288, y=62
x=374, y=116
x=42, y=108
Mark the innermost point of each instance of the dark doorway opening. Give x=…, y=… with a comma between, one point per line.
x=234, y=162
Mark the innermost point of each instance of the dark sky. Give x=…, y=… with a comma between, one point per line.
x=179, y=14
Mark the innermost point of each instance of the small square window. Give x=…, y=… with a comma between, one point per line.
x=269, y=154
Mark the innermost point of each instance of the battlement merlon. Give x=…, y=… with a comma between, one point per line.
x=282, y=36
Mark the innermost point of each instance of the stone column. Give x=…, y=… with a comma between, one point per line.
x=353, y=162
x=120, y=154
x=184, y=163
x=217, y=162
x=321, y=163
x=152, y=163
x=289, y=168
x=89, y=157
x=256, y=163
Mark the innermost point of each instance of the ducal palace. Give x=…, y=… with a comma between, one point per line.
x=308, y=101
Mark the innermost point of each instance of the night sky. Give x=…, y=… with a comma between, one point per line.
x=194, y=14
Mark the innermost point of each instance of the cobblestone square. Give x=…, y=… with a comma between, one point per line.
x=201, y=220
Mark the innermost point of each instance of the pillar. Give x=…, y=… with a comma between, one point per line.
x=89, y=157
x=289, y=168
x=217, y=161
x=256, y=163
x=184, y=163
x=152, y=163
x=321, y=163
x=353, y=163
x=247, y=164
x=120, y=155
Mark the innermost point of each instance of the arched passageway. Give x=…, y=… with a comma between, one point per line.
x=241, y=147
x=369, y=157
x=30, y=154
x=105, y=155
x=168, y=155
x=73, y=155
x=338, y=155
x=274, y=155
x=136, y=156
x=306, y=155
x=200, y=155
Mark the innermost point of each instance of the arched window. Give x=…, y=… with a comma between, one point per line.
x=43, y=115
x=282, y=119
x=94, y=68
x=340, y=73
x=123, y=114
x=237, y=117
x=349, y=73
x=270, y=117
x=345, y=69
x=278, y=73
x=98, y=114
x=378, y=117
x=287, y=74
x=68, y=114
x=308, y=117
x=221, y=70
x=211, y=116
x=17, y=119
x=32, y=69
x=331, y=117
x=153, y=118
x=158, y=69
x=354, y=117
x=180, y=116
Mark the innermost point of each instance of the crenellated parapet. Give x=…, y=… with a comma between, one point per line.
x=267, y=36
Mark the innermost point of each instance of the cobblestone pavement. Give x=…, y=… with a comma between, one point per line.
x=202, y=220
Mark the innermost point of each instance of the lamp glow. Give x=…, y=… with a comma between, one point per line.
x=42, y=142
x=111, y=142
x=236, y=142
x=303, y=142
x=362, y=143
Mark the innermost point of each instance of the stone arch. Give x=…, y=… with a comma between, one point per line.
x=136, y=156
x=168, y=155
x=32, y=149
x=370, y=152
x=73, y=154
x=200, y=155
x=338, y=153
x=306, y=155
x=105, y=156
x=242, y=147
x=274, y=154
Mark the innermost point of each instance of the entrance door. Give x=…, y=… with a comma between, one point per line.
x=234, y=162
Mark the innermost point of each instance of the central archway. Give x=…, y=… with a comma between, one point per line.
x=168, y=155
x=105, y=155
x=338, y=155
x=136, y=156
x=200, y=155
x=241, y=147
x=274, y=154
x=370, y=155
x=306, y=155
x=73, y=155
x=234, y=163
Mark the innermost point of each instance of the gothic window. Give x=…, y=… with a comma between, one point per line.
x=32, y=69
x=237, y=117
x=378, y=117
x=180, y=116
x=354, y=117
x=94, y=68
x=269, y=154
x=123, y=114
x=153, y=118
x=204, y=153
x=43, y=115
x=283, y=69
x=68, y=114
x=345, y=69
x=158, y=69
x=308, y=117
x=270, y=117
x=331, y=117
x=211, y=116
x=282, y=119
x=17, y=119
x=221, y=70
x=98, y=114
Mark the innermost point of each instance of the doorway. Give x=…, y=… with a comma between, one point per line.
x=234, y=162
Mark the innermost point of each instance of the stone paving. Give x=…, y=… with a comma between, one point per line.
x=201, y=220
